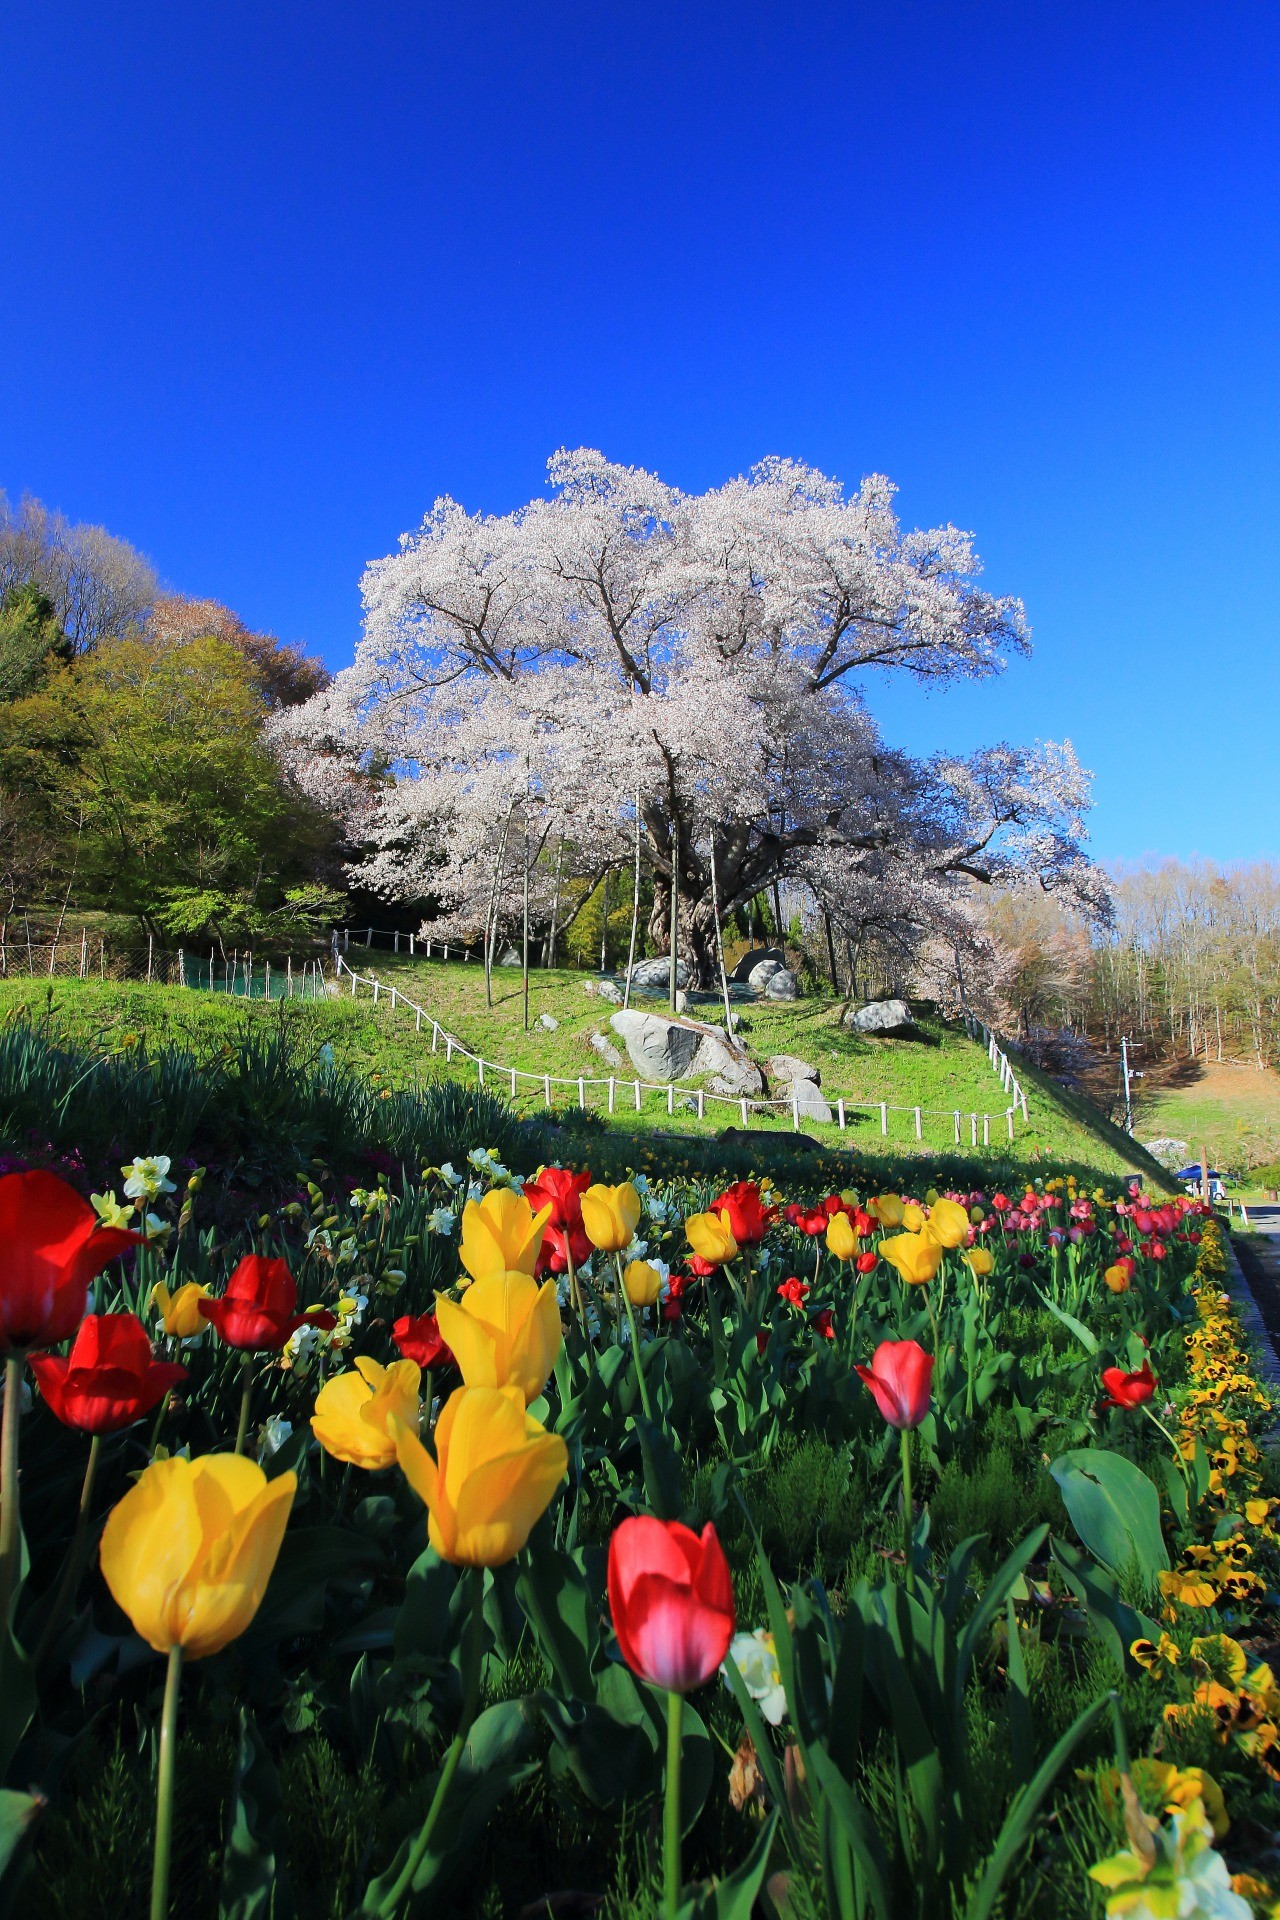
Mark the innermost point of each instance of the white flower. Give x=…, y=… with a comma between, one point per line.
x=302, y=1344
x=1188, y=1877
x=636, y=1251
x=274, y=1435
x=351, y=1308
x=156, y=1230
x=144, y=1177
x=640, y=1182
x=447, y=1174
x=754, y=1656
x=443, y=1220
x=475, y=1191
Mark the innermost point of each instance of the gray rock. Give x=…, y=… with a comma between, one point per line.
x=782, y=986
x=682, y=1000
x=809, y=1101
x=508, y=957
x=787, y=1069
x=601, y=1044
x=884, y=1017
x=730, y=1066
x=549, y=1021
x=609, y=990
x=762, y=973
x=590, y=986
x=654, y=976
x=742, y=972
x=659, y=1048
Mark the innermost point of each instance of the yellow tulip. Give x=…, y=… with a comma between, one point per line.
x=350, y=1418
x=180, y=1311
x=711, y=1237
x=493, y=1476
x=887, y=1208
x=916, y=1257
x=189, y=1550
x=842, y=1241
x=1117, y=1278
x=913, y=1217
x=948, y=1223
x=610, y=1216
x=642, y=1282
x=501, y=1234
x=981, y=1261
x=504, y=1333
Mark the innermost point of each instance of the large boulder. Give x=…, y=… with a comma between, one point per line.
x=730, y=1066
x=654, y=976
x=782, y=985
x=763, y=972
x=886, y=1018
x=659, y=1048
x=787, y=1068
x=741, y=974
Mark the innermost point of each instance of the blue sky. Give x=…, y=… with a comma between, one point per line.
x=271, y=278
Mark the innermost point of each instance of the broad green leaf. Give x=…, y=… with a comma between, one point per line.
x=1114, y=1508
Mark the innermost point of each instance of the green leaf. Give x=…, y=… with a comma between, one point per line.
x=17, y=1697
x=255, y=1883
x=18, y=1815
x=1114, y=1508
x=1069, y=1321
x=1116, y=1623
x=554, y=1593
x=1020, y=1818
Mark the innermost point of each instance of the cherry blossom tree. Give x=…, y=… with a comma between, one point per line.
x=533, y=679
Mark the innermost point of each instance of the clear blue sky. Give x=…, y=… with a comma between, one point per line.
x=272, y=277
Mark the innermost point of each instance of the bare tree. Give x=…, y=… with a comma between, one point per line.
x=98, y=585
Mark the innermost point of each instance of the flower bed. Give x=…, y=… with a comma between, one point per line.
x=475, y=1544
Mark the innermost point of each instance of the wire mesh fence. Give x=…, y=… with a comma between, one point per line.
x=83, y=956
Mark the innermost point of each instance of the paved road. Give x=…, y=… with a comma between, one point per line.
x=1259, y=1254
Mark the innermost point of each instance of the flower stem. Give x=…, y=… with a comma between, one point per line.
x=472, y=1651
x=73, y=1567
x=9, y=1485
x=164, y=1787
x=671, y=1877
x=246, y=1397
x=908, y=1526
x=635, y=1342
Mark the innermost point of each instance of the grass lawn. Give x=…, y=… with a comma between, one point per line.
x=944, y=1072
x=1233, y=1111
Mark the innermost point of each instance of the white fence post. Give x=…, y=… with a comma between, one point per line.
x=973, y=1129
x=671, y=1100
x=919, y=1134
x=1009, y=1119
x=795, y=1112
x=582, y=1093
x=744, y=1113
x=612, y=1089
x=840, y=1113
x=480, y=1070
x=546, y=1088
x=956, y=1117
x=702, y=1106
x=986, y=1129
x=513, y=1083
x=637, y=1096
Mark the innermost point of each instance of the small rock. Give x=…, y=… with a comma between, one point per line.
x=788, y=1068
x=601, y=1044
x=654, y=976
x=682, y=1000
x=763, y=972
x=609, y=990
x=809, y=1102
x=508, y=957
x=782, y=986
x=885, y=1017
x=549, y=1021
x=741, y=974
x=589, y=986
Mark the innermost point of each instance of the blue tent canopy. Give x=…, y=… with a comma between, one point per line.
x=1195, y=1173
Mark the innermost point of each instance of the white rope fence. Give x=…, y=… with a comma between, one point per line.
x=1000, y=1062
x=697, y=1098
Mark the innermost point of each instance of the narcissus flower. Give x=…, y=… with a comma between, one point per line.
x=1179, y=1875
x=711, y=1237
x=643, y=1282
x=915, y=1256
x=671, y=1597
x=180, y=1312
x=418, y=1337
x=51, y=1247
x=611, y=1216
x=1128, y=1389
x=189, y=1550
x=258, y=1312
x=352, y=1411
x=493, y=1477
x=948, y=1223
x=505, y=1333
x=501, y=1234
x=842, y=1241
x=109, y=1379
x=901, y=1378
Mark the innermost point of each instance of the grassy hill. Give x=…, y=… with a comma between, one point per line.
x=941, y=1073
x=1233, y=1110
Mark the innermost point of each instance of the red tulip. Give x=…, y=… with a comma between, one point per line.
x=564, y=1234
x=867, y=1262
x=51, y=1247
x=673, y=1305
x=671, y=1598
x=763, y=1336
x=419, y=1339
x=794, y=1291
x=749, y=1218
x=1128, y=1389
x=258, y=1311
x=822, y=1324
x=810, y=1220
x=109, y=1379
x=901, y=1378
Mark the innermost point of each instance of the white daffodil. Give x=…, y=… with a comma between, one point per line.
x=756, y=1660
x=1188, y=1878
x=443, y=1220
x=145, y=1177
x=274, y=1435
x=447, y=1174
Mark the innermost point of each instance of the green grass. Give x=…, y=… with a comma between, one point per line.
x=1232, y=1110
x=946, y=1071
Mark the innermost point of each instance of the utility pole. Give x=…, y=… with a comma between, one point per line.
x=1130, y=1074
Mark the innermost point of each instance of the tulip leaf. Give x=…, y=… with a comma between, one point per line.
x=19, y=1813
x=1069, y=1321
x=734, y=1897
x=553, y=1590
x=1114, y=1508
x=255, y=1880
x=17, y=1697
x=422, y=1629
x=661, y=1470
x=1116, y=1623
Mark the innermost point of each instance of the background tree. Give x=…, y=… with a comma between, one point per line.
x=702, y=658
x=98, y=586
